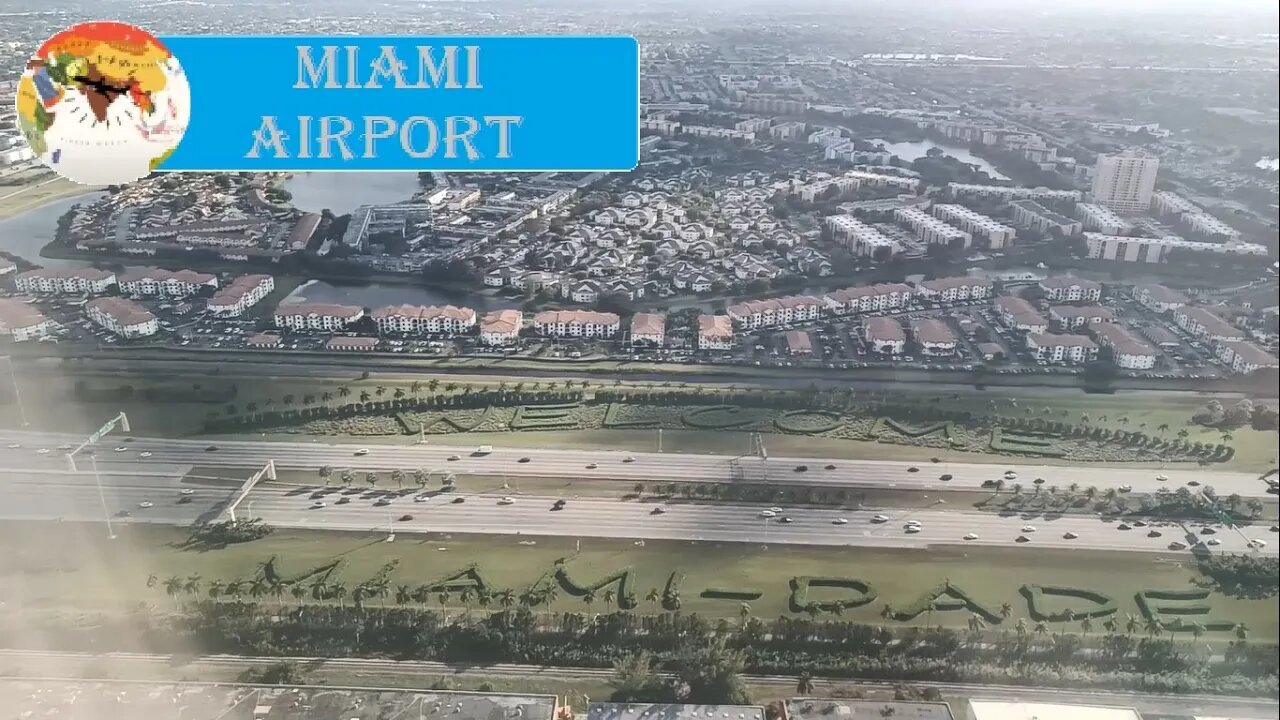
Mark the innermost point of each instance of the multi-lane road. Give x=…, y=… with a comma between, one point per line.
x=76, y=497
x=167, y=454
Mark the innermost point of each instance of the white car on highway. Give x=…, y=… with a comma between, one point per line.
x=362, y=451
x=507, y=501
x=880, y=519
x=840, y=521
x=768, y=514
x=317, y=505
x=14, y=446
x=187, y=491
x=145, y=504
x=912, y=529
x=1028, y=528
x=971, y=536
x=1213, y=541
x=145, y=454
x=775, y=509
x=42, y=451
x=121, y=448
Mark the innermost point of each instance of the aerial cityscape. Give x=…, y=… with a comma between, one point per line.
x=924, y=367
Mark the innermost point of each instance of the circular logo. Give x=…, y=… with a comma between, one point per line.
x=103, y=103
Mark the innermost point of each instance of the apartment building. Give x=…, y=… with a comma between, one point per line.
x=788, y=131
x=1155, y=250
x=1008, y=193
x=994, y=234
x=1128, y=351
x=1170, y=204
x=1244, y=357
x=69, y=281
x=1125, y=182
x=1100, y=218
x=933, y=336
x=1205, y=324
x=1070, y=289
x=419, y=320
x=576, y=323
x=885, y=180
x=1158, y=298
x=1074, y=317
x=954, y=289
x=754, y=314
x=930, y=229
x=868, y=298
x=22, y=322
x=1053, y=348
x=501, y=327
x=1206, y=224
x=240, y=294
x=884, y=335
x=1029, y=213
x=649, y=329
x=1018, y=314
x=166, y=283
x=316, y=316
x=860, y=238
x=125, y=318
x=715, y=332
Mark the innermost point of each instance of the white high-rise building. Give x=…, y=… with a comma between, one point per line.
x=1126, y=182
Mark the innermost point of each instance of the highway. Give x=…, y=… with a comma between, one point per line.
x=76, y=498
x=604, y=465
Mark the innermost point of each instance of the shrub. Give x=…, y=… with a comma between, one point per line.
x=799, y=601
x=947, y=428
x=625, y=579
x=808, y=422
x=671, y=593
x=729, y=594
x=464, y=579
x=719, y=417
x=1002, y=441
x=1103, y=605
x=946, y=598
x=542, y=417
x=614, y=417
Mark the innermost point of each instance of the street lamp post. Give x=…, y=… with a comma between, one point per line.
x=106, y=512
x=17, y=394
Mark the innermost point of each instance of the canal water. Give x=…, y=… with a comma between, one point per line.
x=909, y=151
x=27, y=232
x=340, y=193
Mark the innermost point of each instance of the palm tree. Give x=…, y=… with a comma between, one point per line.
x=1041, y=628
x=257, y=588
x=191, y=585
x=1198, y=630
x=506, y=599
x=804, y=685
x=343, y=391
x=609, y=596
x=1153, y=627
x=403, y=595
x=1242, y=631
x=419, y=477
x=1006, y=611
x=299, y=592
x=589, y=597
x=1132, y=624
x=347, y=476
x=325, y=473
x=152, y=580
x=653, y=595
x=1021, y=627
x=443, y=598
x=371, y=478
x=1110, y=624
x=1086, y=624
x=215, y=589
x=173, y=586
x=397, y=477
x=338, y=591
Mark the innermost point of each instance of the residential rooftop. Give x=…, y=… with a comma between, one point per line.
x=672, y=711
x=850, y=709
x=122, y=700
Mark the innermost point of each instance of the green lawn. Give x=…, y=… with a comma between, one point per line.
x=55, y=566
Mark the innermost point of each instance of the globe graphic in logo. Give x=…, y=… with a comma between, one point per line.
x=103, y=103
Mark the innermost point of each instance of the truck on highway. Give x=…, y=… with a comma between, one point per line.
x=483, y=450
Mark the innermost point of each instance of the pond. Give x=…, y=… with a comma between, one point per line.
x=909, y=151
x=376, y=295
x=25, y=233
x=341, y=193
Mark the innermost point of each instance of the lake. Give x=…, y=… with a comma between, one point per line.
x=342, y=193
x=376, y=295
x=909, y=151
x=27, y=232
